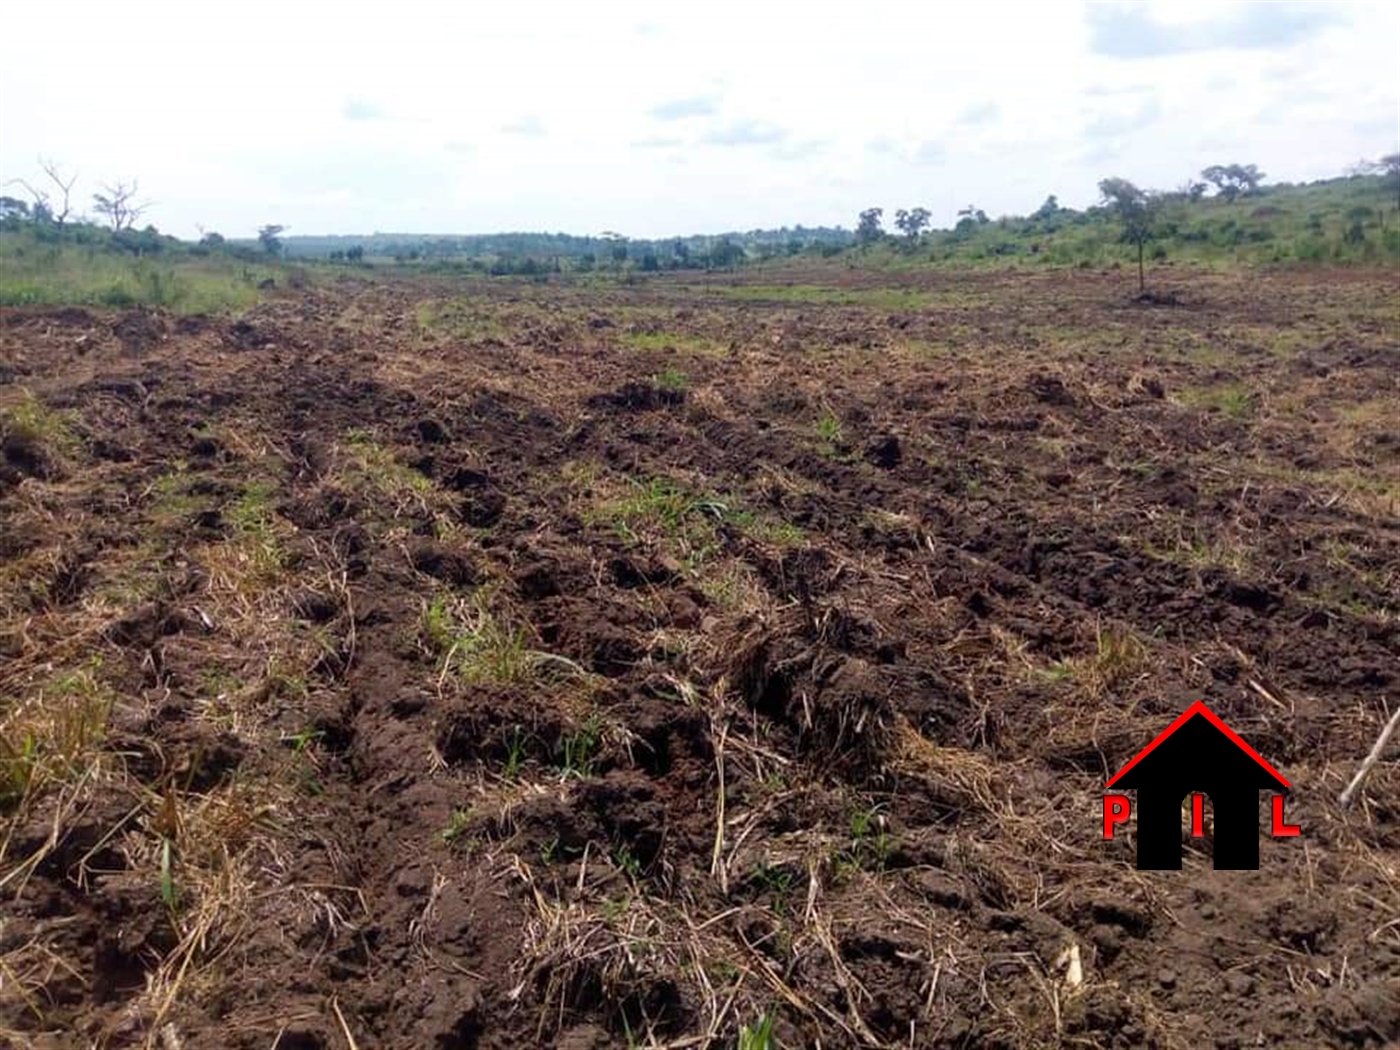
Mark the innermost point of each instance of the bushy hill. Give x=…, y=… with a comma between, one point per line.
x=1344, y=220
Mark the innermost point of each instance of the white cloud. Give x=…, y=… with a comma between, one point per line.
x=467, y=117
x=528, y=126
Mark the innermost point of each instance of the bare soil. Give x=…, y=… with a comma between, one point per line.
x=481, y=665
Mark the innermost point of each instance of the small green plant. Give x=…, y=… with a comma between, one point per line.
x=673, y=380
x=829, y=429
x=871, y=844
x=580, y=748
x=439, y=626
x=758, y=1035
x=1234, y=400
x=456, y=826
x=549, y=851
x=776, y=880
x=301, y=741
x=515, y=754
x=615, y=908
x=304, y=761
x=628, y=861
x=1237, y=404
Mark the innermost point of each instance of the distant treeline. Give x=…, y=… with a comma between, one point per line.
x=546, y=252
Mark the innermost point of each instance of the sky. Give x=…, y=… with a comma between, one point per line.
x=656, y=119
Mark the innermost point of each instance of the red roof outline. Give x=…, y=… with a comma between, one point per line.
x=1199, y=708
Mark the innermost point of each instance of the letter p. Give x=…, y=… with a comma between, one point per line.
x=1116, y=809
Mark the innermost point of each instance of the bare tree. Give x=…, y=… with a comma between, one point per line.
x=65, y=187
x=41, y=209
x=44, y=206
x=119, y=204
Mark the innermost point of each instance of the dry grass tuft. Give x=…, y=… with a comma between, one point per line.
x=51, y=741
x=959, y=775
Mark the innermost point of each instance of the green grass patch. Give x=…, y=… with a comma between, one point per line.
x=378, y=465
x=1234, y=400
x=32, y=424
x=461, y=318
x=661, y=511
x=673, y=379
x=483, y=647
x=673, y=342
x=817, y=294
x=34, y=272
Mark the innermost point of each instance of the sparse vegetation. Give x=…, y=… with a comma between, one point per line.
x=54, y=740
x=34, y=271
x=758, y=1035
x=701, y=734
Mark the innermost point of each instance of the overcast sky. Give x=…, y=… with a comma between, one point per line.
x=657, y=118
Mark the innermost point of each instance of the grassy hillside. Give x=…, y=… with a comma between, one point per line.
x=1340, y=221
x=90, y=269
x=1346, y=220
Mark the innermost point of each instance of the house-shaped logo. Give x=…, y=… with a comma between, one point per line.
x=1198, y=754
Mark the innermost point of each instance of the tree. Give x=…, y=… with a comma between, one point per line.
x=118, y=203
x=617, y=248
x=1389, y=166
x=269, y=237
x=212, y=240
x=912, y=223
x=44, y=208
x=1048, y=209
x=868, y=229
x=1230, y=180
x=725, y=254
x=1134, y=209
x=65, y=187
x=977, y=215
x=13, y=210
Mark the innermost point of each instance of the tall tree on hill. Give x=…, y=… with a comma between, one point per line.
x=1389, y=166
x=119, y=204
x=45, y=209
x=912, y=223
x=1134, y=209
x=1233, y=179
x=868, y=229
x=269, y=238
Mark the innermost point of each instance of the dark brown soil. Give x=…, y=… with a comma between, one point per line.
x=610, y=666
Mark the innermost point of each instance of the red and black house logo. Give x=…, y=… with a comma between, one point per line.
x=1200, y=755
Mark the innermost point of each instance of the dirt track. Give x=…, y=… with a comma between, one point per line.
x=505, y=665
